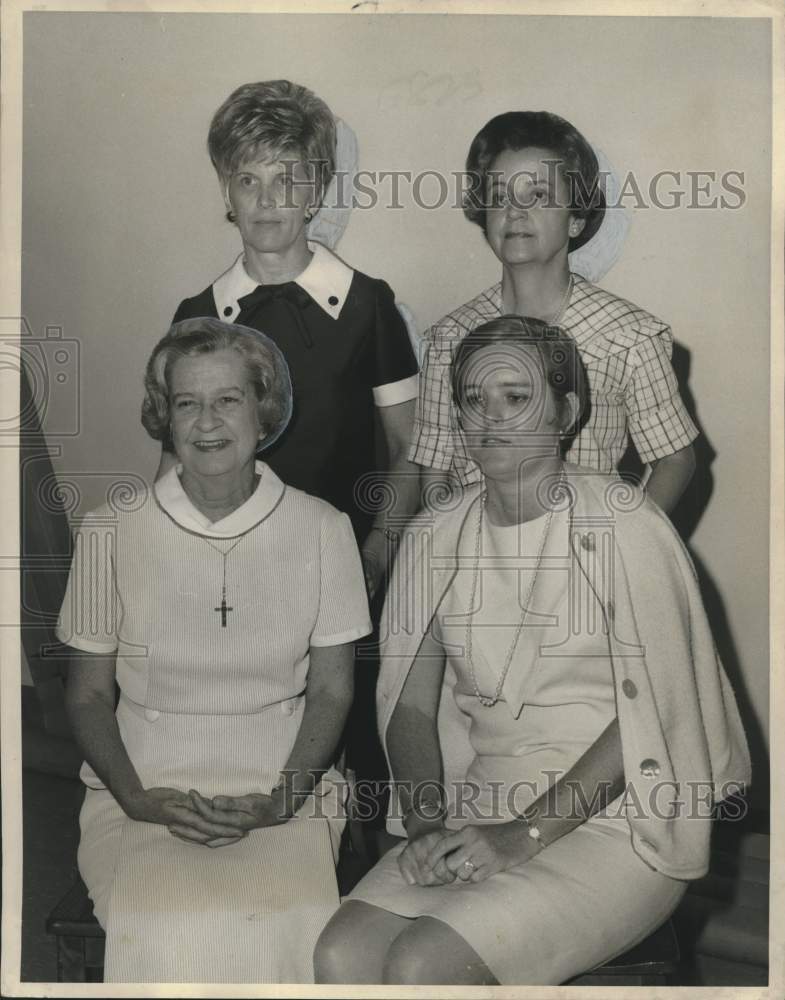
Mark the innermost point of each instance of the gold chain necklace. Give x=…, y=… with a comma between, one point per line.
x=484, y=699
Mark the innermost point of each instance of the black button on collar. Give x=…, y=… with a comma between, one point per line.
x=333, y=300
x=228, y=311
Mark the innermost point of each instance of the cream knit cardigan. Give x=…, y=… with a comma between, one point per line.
x=682, y=739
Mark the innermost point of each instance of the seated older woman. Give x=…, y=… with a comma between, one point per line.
x=225, y=604
x=553, y=669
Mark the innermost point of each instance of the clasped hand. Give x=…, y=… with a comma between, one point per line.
x=437, y=856
x=215, y=822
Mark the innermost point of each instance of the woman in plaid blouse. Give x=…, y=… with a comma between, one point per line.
x=536, y=196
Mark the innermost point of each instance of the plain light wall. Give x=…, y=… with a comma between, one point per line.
x=123, y=215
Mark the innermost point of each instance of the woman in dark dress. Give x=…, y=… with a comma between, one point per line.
x=273, y=146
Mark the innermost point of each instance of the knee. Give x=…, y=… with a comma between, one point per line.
x=333, y=952
x=408, y=962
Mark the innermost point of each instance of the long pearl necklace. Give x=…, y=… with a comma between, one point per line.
x=484, y=699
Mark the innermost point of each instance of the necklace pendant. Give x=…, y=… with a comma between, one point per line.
x=223, y=609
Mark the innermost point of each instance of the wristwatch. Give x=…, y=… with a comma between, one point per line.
x=424, y=807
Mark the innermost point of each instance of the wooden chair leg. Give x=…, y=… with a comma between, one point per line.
x=94, y=960
x=71, y=959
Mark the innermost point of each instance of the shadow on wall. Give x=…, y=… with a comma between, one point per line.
x=686, y=518
x=697, y=495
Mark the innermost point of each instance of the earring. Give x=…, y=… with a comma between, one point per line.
x=309, y=214
x=231, y=216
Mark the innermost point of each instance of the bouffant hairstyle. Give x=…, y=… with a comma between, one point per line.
x=267, y=371
x=516, y=130
x=559, y=356
x=274, y=119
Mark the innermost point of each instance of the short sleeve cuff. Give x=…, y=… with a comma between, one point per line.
x=85, y=645
x=470, y=474
x=396, y=392
x=340, y=638
x=663, y=432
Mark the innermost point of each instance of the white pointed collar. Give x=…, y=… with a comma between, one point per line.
x=326, y=279
x=174, y=500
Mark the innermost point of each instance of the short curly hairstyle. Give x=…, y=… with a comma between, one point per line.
x=516, y=130
x=275, y=119
x=558, y=352
x=266, y=366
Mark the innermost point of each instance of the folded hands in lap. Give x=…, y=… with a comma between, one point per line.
x=413, y=859
x=215, y=822
x=437, y=857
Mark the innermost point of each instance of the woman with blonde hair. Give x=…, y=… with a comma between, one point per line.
x=273, y=147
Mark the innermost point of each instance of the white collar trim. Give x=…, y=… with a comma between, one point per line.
x=174, y=500
x=326, y=279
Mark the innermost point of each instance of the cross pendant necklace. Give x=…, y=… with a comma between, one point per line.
x=223, y=607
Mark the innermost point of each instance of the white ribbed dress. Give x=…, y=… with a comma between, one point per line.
x=216, y=708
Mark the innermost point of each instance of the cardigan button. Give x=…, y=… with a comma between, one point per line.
x=650, y=768
x=629, y=688
x=151, y=715
x=587, y=542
